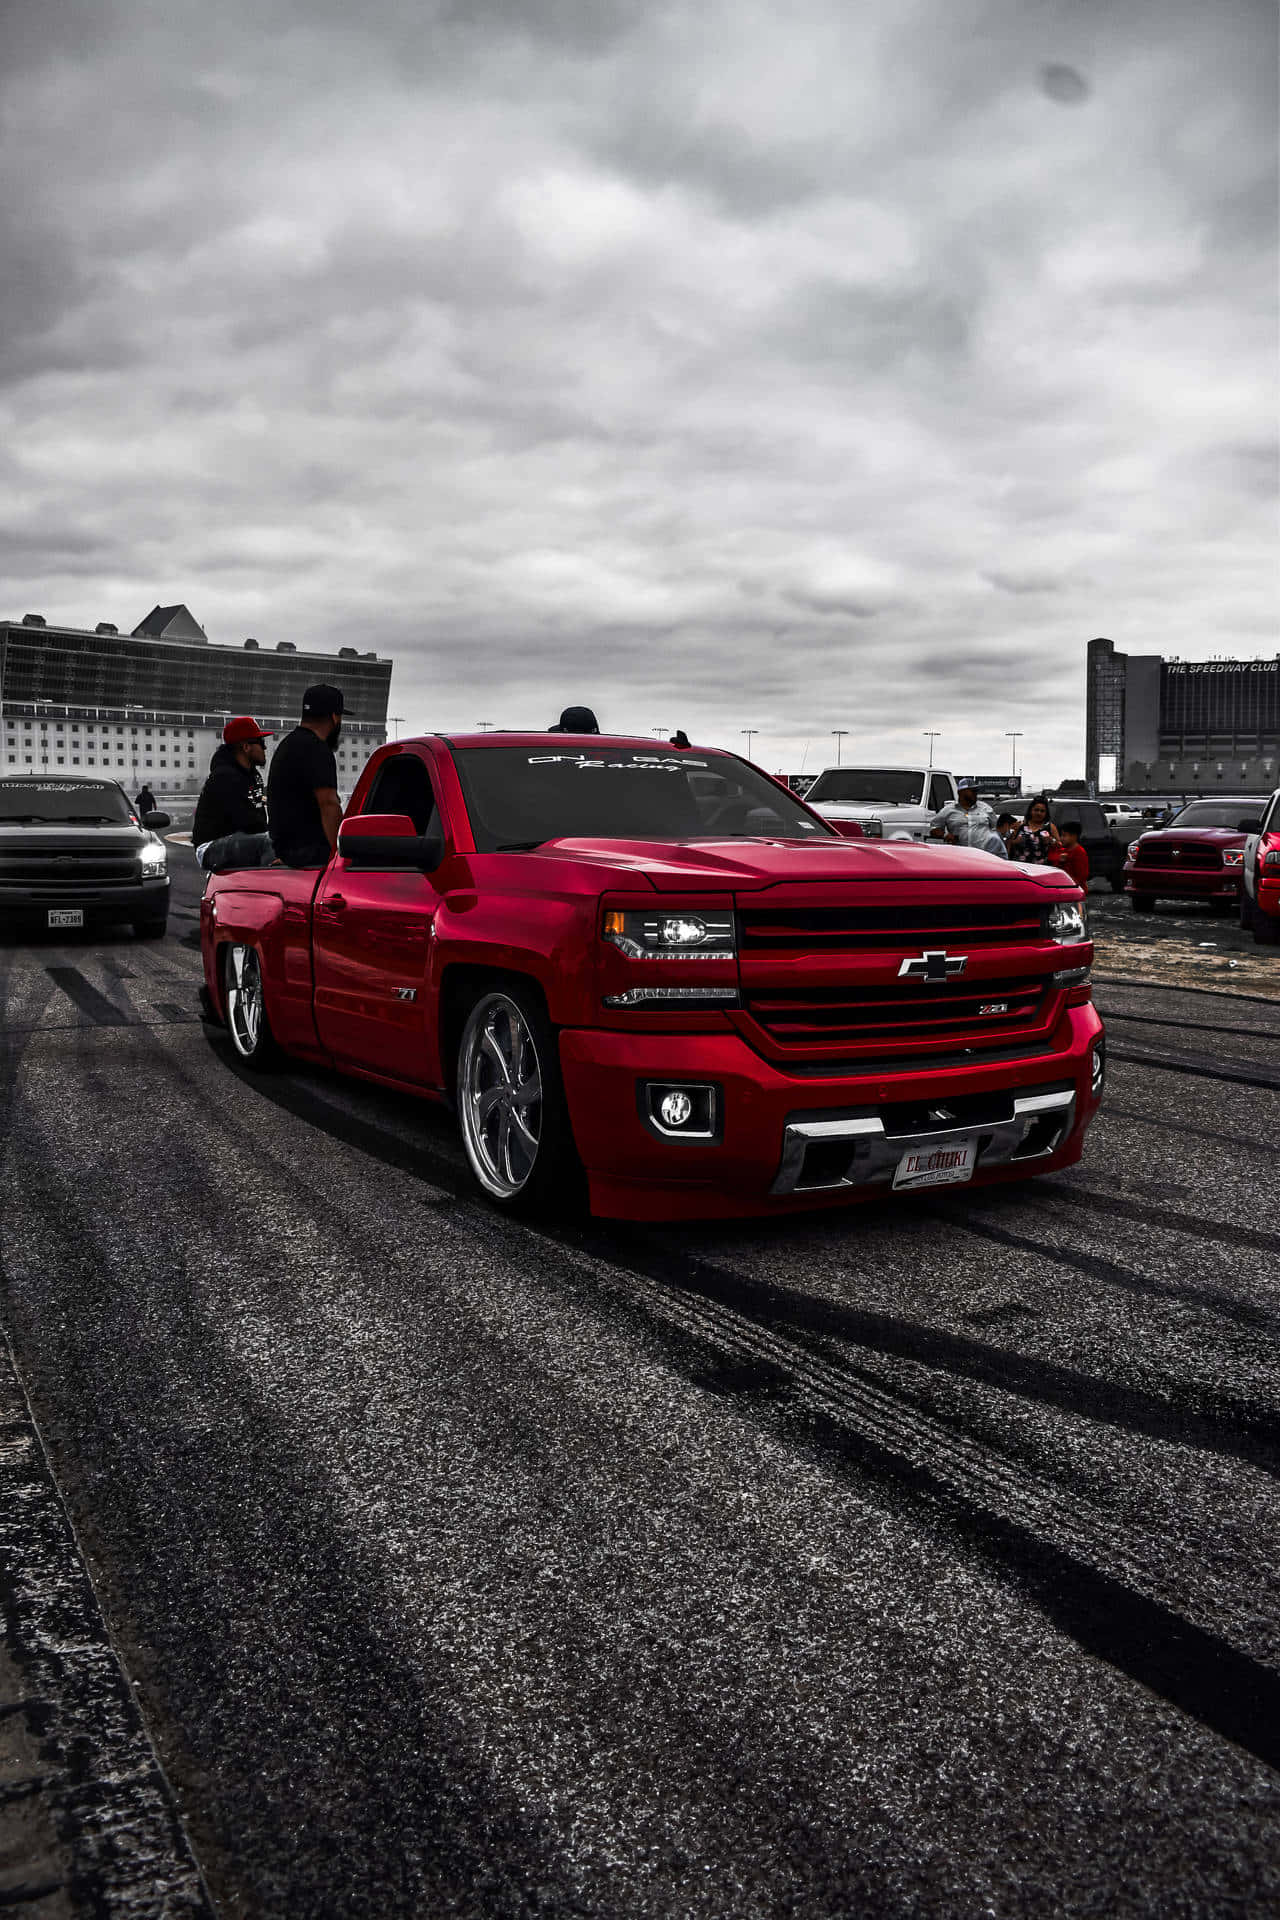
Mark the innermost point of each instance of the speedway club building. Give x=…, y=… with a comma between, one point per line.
x=1185, y=726
x=149, y=706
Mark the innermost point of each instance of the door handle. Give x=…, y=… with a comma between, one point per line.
x=334, y=903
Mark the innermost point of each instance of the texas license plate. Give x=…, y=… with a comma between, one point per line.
x=66, y=916
x=946, y=1166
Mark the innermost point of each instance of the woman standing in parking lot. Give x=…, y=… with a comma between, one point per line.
x=1037, y=839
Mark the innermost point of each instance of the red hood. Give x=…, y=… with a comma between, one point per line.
x=1208, y=836
x=678, y=867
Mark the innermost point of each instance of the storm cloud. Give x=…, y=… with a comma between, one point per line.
x=717, y=366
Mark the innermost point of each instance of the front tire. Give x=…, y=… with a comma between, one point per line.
x=246, y=1006
x=1266, y=931
x=512, y=1111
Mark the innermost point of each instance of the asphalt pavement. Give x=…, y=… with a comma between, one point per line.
x=918, y=1560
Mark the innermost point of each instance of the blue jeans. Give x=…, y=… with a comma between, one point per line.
x=237, y=850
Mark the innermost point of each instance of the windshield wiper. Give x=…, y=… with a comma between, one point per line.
x=519, y=846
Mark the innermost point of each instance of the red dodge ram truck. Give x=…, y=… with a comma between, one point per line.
x=653, y=975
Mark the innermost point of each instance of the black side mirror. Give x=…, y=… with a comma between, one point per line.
x=155, y=821
x=405, y=853
x=1248, y=826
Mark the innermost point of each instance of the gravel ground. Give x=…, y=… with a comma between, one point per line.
x=919, y=1561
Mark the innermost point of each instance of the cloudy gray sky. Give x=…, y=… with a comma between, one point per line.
x=719, y=364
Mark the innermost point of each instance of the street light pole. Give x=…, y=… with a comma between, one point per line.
x=397, y=721
x=1013, y=751
x=931, y=734
x=484, y=725
x=659, y=733
x=841, y=734
x=750, y=733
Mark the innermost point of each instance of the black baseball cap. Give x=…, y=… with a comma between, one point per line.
x=320, y=701
x=576, y=720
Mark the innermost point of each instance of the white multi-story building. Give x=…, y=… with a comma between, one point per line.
x=148, y=708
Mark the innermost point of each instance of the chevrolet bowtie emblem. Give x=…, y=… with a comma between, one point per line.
x=939, y=965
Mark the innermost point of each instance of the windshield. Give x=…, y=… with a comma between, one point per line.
x=883, y=786
x=520, y=796
x=78, y=801
x=1219, y=813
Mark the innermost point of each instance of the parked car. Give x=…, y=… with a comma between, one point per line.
x=1106, y=855
x=74, y=853
x=1260, y=876
x=1198, y=856
x=657, y=976
x=1122, y=819
x=888, y=803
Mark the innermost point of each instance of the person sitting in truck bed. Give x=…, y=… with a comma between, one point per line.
x=302, y=787
x=230, y=827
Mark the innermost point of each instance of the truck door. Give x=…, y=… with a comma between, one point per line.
x=372, y=932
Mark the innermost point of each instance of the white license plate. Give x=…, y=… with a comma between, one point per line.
x=66, y=916
x=943, y=1166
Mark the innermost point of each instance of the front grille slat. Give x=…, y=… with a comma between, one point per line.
x=840, y=1017
x=1186, y=854
x=810, y=1016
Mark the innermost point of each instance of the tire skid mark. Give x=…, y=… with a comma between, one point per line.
x=81, y=993
x=1163, y=1125
x=1041, y=1539
x=1095, y=1266
x=1199, y=1066
x=1187, y=1026
x=1224, y=1233
x=104, y=1793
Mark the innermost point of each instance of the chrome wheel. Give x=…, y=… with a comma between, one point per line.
x=246, y=1010
x=500, y=1096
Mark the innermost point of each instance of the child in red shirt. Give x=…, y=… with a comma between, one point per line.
x=1070, y=854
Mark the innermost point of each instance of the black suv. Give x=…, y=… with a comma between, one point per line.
x=1106, y=855
x=73, y=852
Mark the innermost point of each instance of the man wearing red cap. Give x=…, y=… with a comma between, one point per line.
x=230, y=828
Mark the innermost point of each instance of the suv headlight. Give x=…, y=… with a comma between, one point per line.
x=1133, y=849
x=1065, y=922
x=679, y=934
x=155, y=859
x=1233, y=856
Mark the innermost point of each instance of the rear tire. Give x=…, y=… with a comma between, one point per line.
x=1143, y=902
x=151, y=929
x=246, y=1005
x=512, y=1112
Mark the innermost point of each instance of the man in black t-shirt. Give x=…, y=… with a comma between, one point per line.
x=302, y=784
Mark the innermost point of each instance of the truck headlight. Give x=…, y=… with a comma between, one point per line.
x=681, y=934
x=1064, y=922
x=1134, y=846
x=155, y=859
x=1233, y=857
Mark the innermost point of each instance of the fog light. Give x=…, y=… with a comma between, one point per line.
x=681, y=1112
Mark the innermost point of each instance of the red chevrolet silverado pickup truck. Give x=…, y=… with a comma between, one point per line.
x=654, y=975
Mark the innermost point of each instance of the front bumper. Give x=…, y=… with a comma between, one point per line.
x=129, y=900
x=760, y=1162
x=1184, y=883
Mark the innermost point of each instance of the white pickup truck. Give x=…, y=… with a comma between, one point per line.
x=889, y=803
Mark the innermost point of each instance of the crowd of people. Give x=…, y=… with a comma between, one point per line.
x=294, y=820
x=1036, y=839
